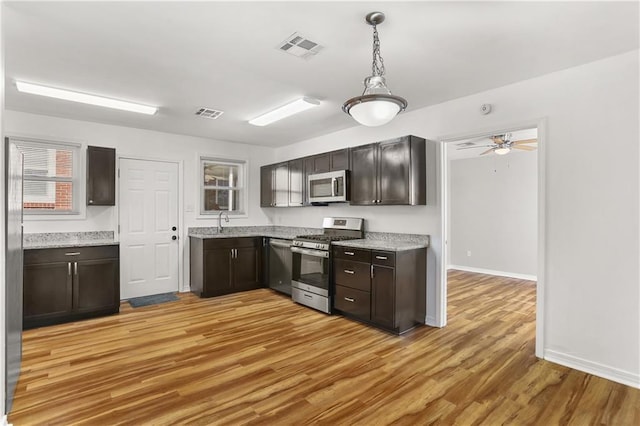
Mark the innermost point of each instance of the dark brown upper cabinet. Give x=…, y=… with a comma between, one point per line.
x=274, y=185
x=392, y=172
x=330, y=161
x=101, y=176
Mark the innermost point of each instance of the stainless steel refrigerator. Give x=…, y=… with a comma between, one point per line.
x=13, y=267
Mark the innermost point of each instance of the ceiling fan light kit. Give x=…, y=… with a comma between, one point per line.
x=502, y=144
x=377, y=105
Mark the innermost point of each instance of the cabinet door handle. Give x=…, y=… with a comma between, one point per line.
x=69, y=268
x=75, y=268
x=73, y=253
x=381, y=257
x=348, y=271
x=371, y=271
x=349, y=299
x=349, y=253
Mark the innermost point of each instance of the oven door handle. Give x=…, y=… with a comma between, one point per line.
x=309, y=252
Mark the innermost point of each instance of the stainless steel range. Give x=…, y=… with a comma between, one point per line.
x=311, y=261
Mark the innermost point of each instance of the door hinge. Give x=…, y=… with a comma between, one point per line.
x=118, y=172
x=118, y=229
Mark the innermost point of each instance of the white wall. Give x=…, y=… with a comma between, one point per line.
x=592, y=300
x=494, y=213
x=141, y=143
x=3, y=330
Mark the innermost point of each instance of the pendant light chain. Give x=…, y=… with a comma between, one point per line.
x=377, y=68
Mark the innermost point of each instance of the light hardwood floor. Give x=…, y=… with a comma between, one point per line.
x=257, y=358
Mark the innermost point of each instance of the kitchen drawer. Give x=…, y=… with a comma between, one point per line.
x=70, y=254
x=310, y=299
x=231, y=242
x=353, y=302
x=352, y=274
x=384, y=258
x=359, y=255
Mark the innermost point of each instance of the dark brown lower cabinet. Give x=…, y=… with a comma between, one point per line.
x=68, y=284
x=385, y=289
x=225, y=265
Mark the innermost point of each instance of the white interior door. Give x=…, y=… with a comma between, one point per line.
x=148, y=223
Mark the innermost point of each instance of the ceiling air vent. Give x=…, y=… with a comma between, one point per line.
x=465, y=144
x=300, y=46
x=209, y=113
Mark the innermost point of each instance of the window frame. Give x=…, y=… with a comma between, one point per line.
x=242, y=186
x=75, y=180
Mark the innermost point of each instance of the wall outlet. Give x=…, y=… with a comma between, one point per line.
x=468, y=253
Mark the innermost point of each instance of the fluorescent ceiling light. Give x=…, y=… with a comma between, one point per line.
x=67, y=95
x=284, y=111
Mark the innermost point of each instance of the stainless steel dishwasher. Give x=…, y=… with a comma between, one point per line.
x=280, y=265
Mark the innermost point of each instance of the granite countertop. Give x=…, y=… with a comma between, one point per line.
x=387, y=245
x=68, y=239
x=284, y=232
x=373, y=240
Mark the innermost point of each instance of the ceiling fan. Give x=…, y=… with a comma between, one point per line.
x=502, y=144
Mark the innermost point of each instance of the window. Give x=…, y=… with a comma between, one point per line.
x=222, y=186
x=50, y=177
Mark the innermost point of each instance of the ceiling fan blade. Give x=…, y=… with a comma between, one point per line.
x=475, y=146
x=524, y=147
x=487, y=151
x=525, y=141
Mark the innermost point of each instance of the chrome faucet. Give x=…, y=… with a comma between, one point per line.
x=226, y=219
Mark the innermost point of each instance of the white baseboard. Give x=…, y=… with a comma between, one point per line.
x=432, y=322
x=494, y=272
x=4, y=421
x=600, y=370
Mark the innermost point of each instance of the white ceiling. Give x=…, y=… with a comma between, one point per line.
x=222, y=55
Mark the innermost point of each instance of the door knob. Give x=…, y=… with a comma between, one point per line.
x=173, y=228
x=174, y=237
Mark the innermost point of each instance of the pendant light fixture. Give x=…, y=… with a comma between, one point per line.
x=376, y=106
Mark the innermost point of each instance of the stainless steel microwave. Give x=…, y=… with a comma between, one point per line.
x=330, y=187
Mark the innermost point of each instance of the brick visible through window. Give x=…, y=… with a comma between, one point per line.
x=50, y=176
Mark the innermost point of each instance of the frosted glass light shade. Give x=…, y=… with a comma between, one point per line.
x=375, y=112
x=376, y=106
x=502, y=151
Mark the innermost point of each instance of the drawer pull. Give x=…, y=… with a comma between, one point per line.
x=349, y=253
x=347, y=271
x=350, y=299
x=69, y=268
x=306, y=295
x=381, y=257
x=73, y=253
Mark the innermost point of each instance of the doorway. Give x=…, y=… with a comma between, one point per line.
x=477, y=220
x=148, y=224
